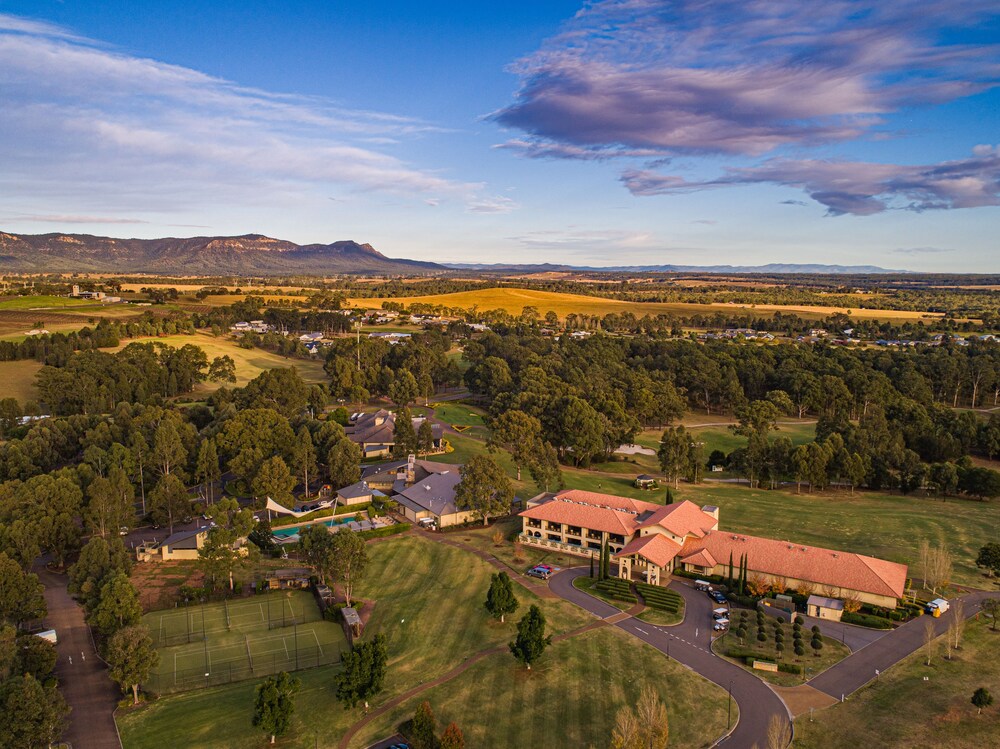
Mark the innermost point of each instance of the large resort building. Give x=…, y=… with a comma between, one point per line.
x=650, y=541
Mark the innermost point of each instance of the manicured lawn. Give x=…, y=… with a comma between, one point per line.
x=882, y=525
x=459, y=414
x=219, y=718
x=430, y=607
x=831, y=653
x=661, y=618
x=518, y=560
x=722, y=437
x=18, y=378
x=901, y=710
x=569, y=698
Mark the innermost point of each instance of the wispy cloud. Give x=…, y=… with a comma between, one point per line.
x=853, y=187
x=923, y=250
x=71, y=219
x=585, y=239
x=83, y=121
x=740, y=76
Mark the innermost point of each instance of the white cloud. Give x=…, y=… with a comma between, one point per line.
x=102, y=129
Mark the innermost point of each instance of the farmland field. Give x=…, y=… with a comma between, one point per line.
x=17, y=379
x=514, y=300
x=917, y=706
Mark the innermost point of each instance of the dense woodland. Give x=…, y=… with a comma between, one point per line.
x=123, y=444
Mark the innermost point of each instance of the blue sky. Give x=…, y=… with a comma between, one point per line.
x=611, y=132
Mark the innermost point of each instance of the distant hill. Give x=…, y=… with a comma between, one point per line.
x=247, y=254
x=770, y=268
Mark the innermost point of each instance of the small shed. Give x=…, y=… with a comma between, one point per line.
x=295, y=578
x=352, y=623
x=825, y=608
x=645, y=481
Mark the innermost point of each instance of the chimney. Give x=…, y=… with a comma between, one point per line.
x=410, y=468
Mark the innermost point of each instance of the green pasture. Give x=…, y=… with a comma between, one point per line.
x=569, y=698
x=915, y=706
x=888, y=526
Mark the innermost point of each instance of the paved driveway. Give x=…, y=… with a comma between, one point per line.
x=689, y=644
x=859, y=668
x=83, y=679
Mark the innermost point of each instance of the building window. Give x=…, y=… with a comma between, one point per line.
x=554, y=537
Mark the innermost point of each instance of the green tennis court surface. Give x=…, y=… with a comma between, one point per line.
x=218, y=643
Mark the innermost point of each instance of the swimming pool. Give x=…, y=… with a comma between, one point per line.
x=295, y=529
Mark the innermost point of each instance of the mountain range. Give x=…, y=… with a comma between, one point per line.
x=247, y=254
x=257, y=254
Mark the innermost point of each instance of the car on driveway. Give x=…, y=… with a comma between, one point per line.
x=716, y=596
x=541, y=571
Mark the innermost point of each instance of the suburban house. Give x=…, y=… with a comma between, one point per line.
x=650, y=541
x=357, y=493
x=422, y=488
x=180, y=545
x=373, y=433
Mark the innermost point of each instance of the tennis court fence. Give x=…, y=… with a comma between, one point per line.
x=265, y=664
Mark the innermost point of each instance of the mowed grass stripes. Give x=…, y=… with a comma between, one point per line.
x=881, y=525
x=430, y=608
x=570, y=698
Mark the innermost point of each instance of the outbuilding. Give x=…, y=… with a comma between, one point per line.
x=825, y=608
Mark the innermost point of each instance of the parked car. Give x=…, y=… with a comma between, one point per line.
x=540, y=572
x=716, y=596
x=123, y=531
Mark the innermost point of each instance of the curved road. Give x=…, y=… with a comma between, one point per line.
x=689, y=644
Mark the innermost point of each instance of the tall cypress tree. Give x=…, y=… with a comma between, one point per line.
x=730, y=581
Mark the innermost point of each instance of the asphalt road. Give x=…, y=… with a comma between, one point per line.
x=689, y=644
x=860, y=667
x=83, y=680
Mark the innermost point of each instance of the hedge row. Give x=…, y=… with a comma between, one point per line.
x=616, y=588
x=866, y=620
x=389, y=530
x=748, y=657
x=660, y=598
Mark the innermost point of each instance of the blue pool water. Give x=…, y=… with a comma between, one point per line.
x=286, y=532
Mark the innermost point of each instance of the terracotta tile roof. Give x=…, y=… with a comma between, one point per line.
x=655, y=547
x=817, y=565
x=585, y=516
x=682, y=519
x=620, y=515
x=702, y=558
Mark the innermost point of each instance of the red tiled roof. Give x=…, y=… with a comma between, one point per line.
x=585, y=516
x=620, y=515
x=701, y=558
x=655, y=547
x=682, y=519
x=817, y=565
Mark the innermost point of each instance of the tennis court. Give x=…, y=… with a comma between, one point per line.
x=218, y=643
